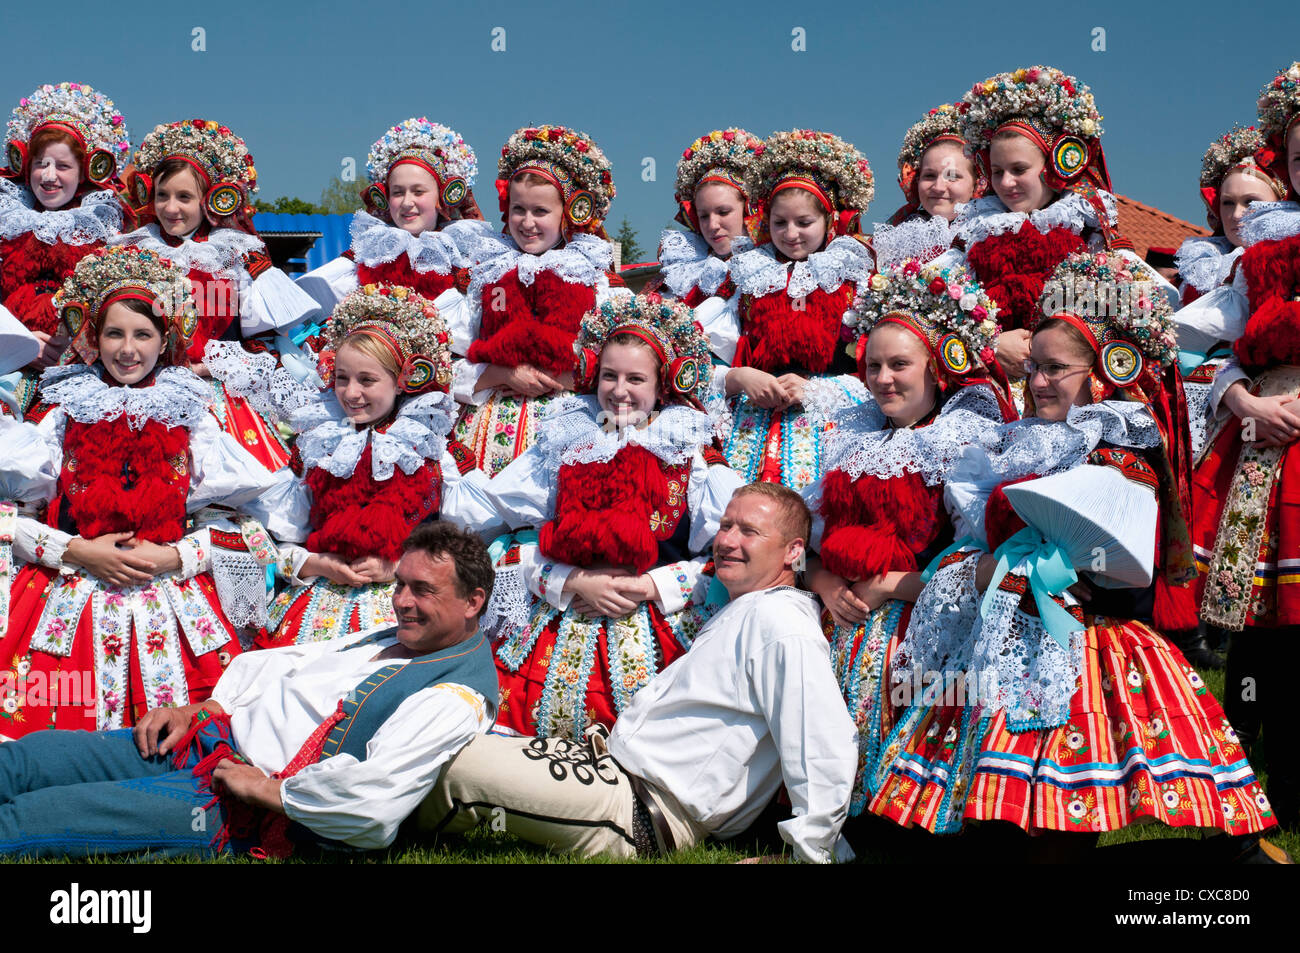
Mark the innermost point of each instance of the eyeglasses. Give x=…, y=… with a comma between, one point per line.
x=1053, y=371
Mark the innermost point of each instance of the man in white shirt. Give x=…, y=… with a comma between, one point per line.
x=342, y=738
x=704, y=747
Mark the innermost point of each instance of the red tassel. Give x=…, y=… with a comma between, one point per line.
x=877, y=525
x=31, y=271
x=531, y=325
x=1014, y=266
x=782, y=334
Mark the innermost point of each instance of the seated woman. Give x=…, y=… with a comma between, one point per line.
x=624, y=486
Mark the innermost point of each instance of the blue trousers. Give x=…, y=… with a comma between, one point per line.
x=82, y=793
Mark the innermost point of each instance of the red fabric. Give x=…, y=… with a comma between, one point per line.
x=876, y=525
x=31, y=271
x=360, y=516
x=777, y=333
x=115, y=479
x=217, y=301
x=695, y=297
x=1014, y=266
x=242, y=422
x=531, y=325
x=1000, y=520
x=1272, y=334
x=428, y=284
x=603, y=511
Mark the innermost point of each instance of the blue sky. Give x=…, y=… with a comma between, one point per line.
x=308, y=84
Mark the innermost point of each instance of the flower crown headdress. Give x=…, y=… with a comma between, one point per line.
x=434, y=147
x=572, y=162
x=82, y=112
x=1279, y=111
x=836, y=173
x=724, y=156
x=405, y=323
x=219, y=157
x=1241, y=150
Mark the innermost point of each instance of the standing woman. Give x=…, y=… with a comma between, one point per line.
x=713, y=205
x=116, y=598
x=529, y=288
x=880, y=502
x=193, y=184
x=936, y=175
x=1246, y=539
x=65, y=146
x=796, y=359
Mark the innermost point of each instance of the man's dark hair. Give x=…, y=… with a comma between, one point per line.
x=465, y=550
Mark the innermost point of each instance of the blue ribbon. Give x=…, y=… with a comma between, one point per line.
x=501, y=545
x=1189, y=361
x=930, y=570
x=1050, y=574
x=304, y=332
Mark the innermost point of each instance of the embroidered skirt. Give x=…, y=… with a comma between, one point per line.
x=500, y=429
x=326, y=610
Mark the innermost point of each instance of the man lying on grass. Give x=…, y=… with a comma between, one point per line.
x=328, y=742
x=704, y=747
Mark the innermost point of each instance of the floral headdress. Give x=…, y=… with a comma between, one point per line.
x=941, y=124
x=724, y=156
x=77, y=109
x=669, y=327
x=432, y=146
x=572, y=162
x=1279, y=110
x=945, y=307
x=823, y=164
x=408, y=325
x=219, y=157
x=124, y=272
x=1241, y=150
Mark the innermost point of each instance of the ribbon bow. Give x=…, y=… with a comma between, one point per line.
x=1050, y=573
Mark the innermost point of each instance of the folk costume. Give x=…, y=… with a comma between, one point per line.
x=39, y=247
x=791, y=311
x=242, y=299
x=1207, y=331
x=357, y=739
x=879, y=504
x=109, y=458
x=912, y=232
x=689, y=269
x=645, y=499
x=359, y=491
x=1246, y=540
x=526, y=309
x=1069, y=716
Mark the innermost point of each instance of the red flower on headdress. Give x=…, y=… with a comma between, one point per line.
x=937, y=286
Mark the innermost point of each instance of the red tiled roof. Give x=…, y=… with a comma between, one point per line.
x=1146, y=226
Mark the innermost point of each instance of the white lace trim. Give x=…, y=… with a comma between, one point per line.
x=758, y=272
x=686, y=263
x=478, y=241
x=569, y=433
x=96, y=219
x=824, y=397
x=375, y=242
x=417, y=435
x=220, y=255
x=1204, y=263
x=861, y=442
x=916, y=237
x=177, y=398
x=987, y=216
x=1269, y=221
x=580, y=262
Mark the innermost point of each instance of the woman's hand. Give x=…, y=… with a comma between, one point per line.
x=331, y=567
x=201, y=369
x=878, y=590
x=759, y=386
x=1012, y=350
x=524, y=380
x=793, y=386
x=607, y=592
x=374, y=569
x=103, y=558
x=1271, y=421
x=164, y=558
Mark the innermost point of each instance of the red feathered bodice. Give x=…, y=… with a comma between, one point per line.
x=780, y=334
x=1014, y=266
x=534, y=324
x=358, y=516
x=1272, y=335
x=428, y=284
x=117, y=480
x=616, y=513
x=876, y=525
x=31, y=271
x=696, y=297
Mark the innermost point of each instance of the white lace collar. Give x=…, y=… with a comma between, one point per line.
x=1269, y=221
x=570, y=433
x=1204, y=262
x=177, y=397
x=376, y=242
x=96, y=219
x=986, y=217
x=417, y=435
x=686, y=262
x=919, y=236
x=221, y=254
x=758, y=272
x=583, y=260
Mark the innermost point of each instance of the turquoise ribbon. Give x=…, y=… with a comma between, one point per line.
x=501, y=545
x=930, y=570
x=1189, y=361
x=1050, y=574
x=304, y=332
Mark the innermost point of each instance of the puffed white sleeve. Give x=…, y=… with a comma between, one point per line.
x=524, y=492
x=464, y=382
x=330, y=283
x=607, y=292
x=681, y=583
x=224, y=472
x=362, y=803
x=272, y=302
x=34, y=542
x=467, y=501
x=32, y=457
x=284, y=507
x=1218, y=315
x=708, y=492
x=720, y=319
x=453, y=308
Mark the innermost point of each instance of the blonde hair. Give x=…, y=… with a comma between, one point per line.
x=367, y=345
x=793, y=516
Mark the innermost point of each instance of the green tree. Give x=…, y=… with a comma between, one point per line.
x=626, y=237
x=287, y=205
x=339, y=197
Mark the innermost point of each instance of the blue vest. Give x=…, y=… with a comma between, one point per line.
x=373, y=701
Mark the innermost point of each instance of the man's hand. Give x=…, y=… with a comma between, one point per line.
x=52, y=348
x=248, y=784
x=159, y=730
x=1012, y=350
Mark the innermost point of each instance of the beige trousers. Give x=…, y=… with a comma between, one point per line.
x=564, y=795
